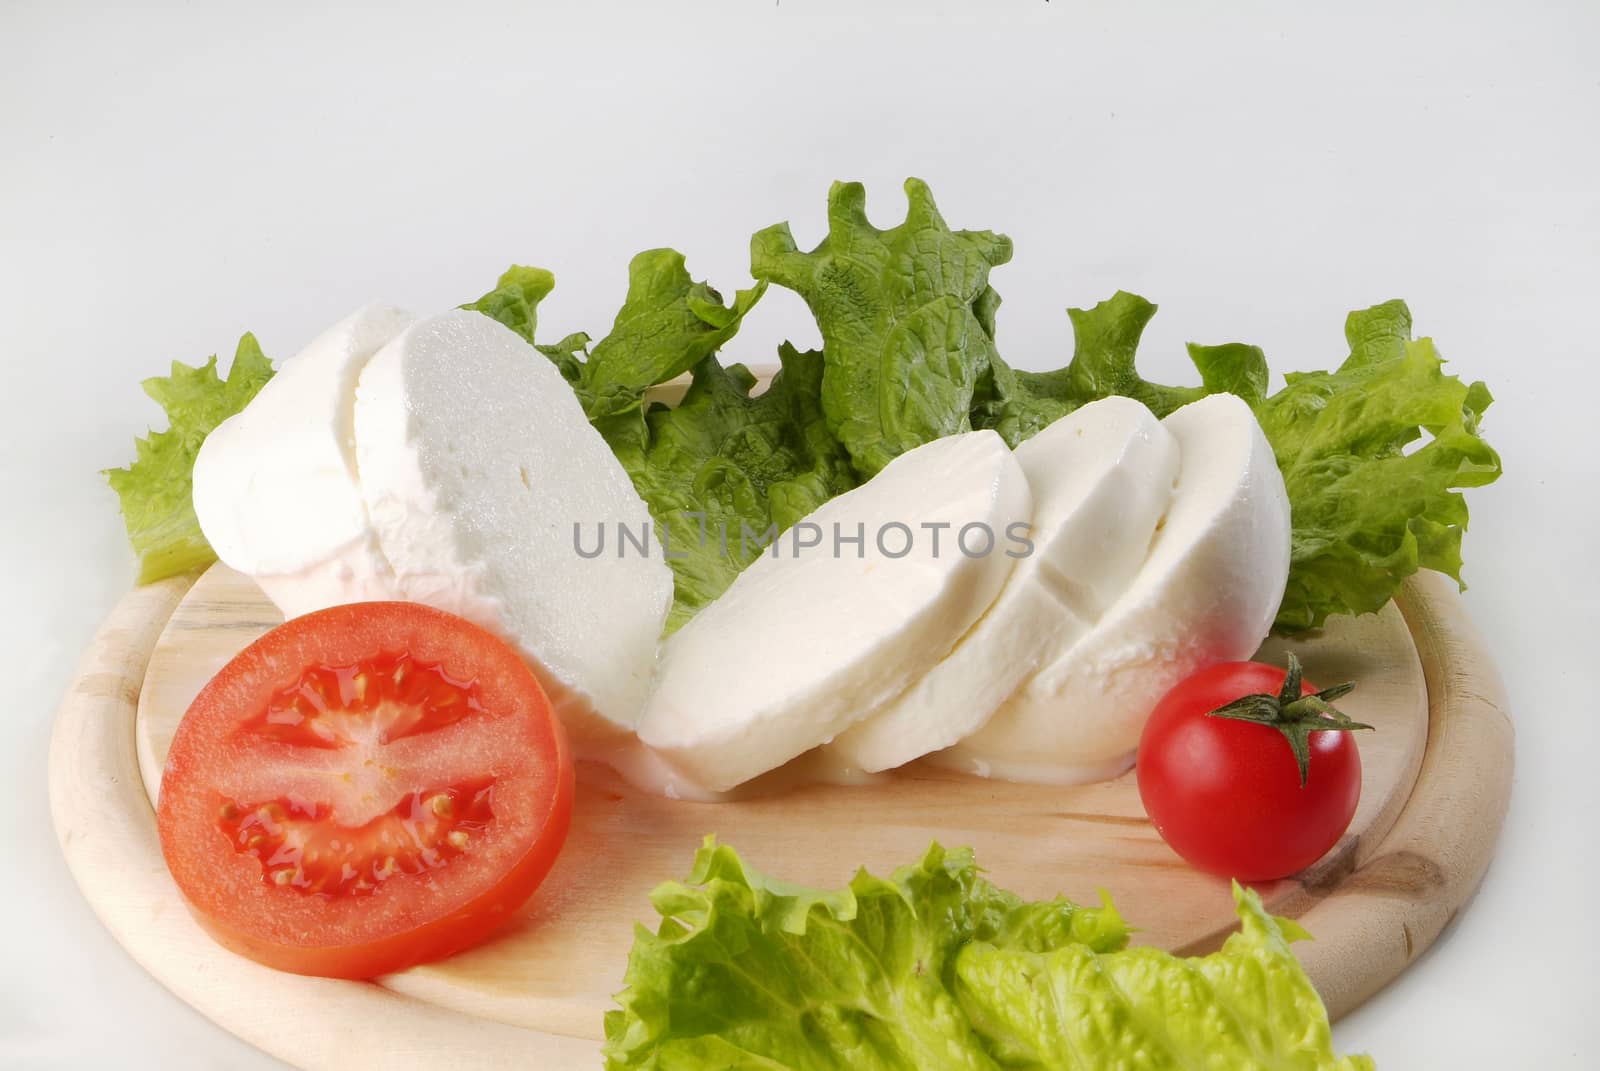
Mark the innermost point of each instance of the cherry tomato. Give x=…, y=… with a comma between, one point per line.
x=1227, y=795
x=365, y=788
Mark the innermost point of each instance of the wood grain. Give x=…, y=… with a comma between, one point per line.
x=1437, y=780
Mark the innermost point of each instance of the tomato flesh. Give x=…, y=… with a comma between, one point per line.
x=389, y=696
x=298, y=843
x=1226, y=794
x=365, y=788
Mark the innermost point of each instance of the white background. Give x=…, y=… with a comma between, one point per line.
x=173, y=176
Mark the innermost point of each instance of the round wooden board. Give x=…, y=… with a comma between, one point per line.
x=1437, y=780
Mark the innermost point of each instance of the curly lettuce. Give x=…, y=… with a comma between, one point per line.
x=1248, y=1005
x=1374, y=454
x=668, y=323
x=906, y=315
x=937, y=969
x=514, y=301
x=1106, y=338
x=156, y=490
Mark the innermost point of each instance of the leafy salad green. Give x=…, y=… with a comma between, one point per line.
x=1375, y=454
x=156, y=490
x=906, y=315
x=935, y=968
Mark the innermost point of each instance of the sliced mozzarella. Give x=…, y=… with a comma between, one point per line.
x=1207, y=593
x=805, y=642
x=477, y=465
x=1102, y=479
x=275, y=485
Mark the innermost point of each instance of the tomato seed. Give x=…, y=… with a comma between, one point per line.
x=299, y=843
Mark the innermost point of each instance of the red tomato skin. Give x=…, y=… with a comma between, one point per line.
x=1226, y=794
x=222, y=891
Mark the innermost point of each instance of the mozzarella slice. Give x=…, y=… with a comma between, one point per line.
x=804, y=643
x=477, y=466
x=1101, y=478
x=275, y=485
x=1207, y=593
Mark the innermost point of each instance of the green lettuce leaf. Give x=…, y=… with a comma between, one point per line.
x=906, y=315
x=935, y=968
x=749, y=972
x=723, y=471
x=1370, y=502
x=1105, y=340
x=157, y=489
x=667, y=325
x=1073, y=1007
x=1374, y=456
x=514, y=302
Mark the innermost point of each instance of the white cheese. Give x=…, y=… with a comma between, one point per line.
x=275, y=485
x=803, y=644
x=1207, y=593
x=1102, y=478
x=477, y=464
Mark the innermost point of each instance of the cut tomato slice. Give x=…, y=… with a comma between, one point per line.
x=365, y=788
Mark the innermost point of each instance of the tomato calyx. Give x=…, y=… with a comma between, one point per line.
x=1294, y=715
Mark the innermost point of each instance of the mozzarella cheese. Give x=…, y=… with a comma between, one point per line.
x=1101, y=479
x=275, y=485
x=477, y=466
x=1207, y=593
x=806, y=642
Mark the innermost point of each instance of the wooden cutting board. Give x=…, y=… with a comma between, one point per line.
x=1437, y=780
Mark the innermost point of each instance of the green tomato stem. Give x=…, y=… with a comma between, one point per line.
x=1294, y=715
